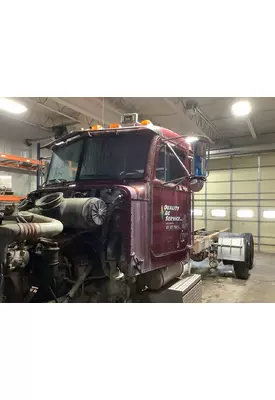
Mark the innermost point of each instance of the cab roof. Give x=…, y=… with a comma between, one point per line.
x=128, y=127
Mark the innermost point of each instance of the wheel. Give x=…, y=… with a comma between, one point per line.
x=249, y=256
x=249, y=249
x=241, y=270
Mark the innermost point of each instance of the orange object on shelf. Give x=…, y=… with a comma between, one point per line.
x=17, y=162
x=11, y=198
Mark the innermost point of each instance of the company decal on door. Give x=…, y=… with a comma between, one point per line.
x=170, y=215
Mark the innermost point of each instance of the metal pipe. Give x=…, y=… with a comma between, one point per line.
x=53, y=110
x=38, y=172
x=205, y=205
x=35, y=227
x=251, y=128
x=30, y=141
x=179, y=160
x=242, y=150
x=245, y=180
x=25, y=122
x=192, y=218
x=231, y=195
x=175, y=108
x=207, y=121
x=243, y=199
x=259, y=202
x=76, y=108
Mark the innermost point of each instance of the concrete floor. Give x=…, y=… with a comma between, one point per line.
x=259, y=288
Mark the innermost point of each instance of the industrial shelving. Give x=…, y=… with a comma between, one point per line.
x=19, y=163
x=10, y=198
x=24, y=164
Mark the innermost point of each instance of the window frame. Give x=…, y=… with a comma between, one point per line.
x=66, y=144
x=86, y=149
x=181, y=153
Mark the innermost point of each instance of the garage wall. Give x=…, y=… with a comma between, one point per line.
x=240, y=195
x=12, y=141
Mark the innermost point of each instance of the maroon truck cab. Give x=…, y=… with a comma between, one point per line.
x=111, y=223
x=141, y=173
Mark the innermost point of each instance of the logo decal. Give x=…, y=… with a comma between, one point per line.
x=168, y=213
x=162, y=212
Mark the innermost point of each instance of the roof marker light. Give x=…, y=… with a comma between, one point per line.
x=114, y=126
x=96, y=127
x=146, y=122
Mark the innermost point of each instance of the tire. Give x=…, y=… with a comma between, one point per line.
x=241, y=270
x=249, y=256
x=249, y=252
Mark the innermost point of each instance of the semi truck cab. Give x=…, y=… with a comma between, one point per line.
x=123, y=197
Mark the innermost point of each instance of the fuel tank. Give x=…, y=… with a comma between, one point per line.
x=157, y=279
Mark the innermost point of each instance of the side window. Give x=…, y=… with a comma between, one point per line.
x=175, y=169
x=161, y=170
x=168, y=166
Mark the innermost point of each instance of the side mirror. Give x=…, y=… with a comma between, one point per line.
x=200, y=155
x=196, y=184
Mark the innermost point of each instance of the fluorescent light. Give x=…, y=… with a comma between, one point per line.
x=269, y=214
x=11, y=106
x=197, y=212
x=191, y=139
x=218, y=213
x=241, y=108
x=245, y=213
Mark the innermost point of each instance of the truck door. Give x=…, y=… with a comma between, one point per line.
x=171, y=216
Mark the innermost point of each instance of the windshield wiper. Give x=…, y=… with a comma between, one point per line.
x=134, y=174
x=55, y=180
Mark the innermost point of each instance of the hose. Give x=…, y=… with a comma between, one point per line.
x=53, y=294
x=36, y=226
x=1, y=282
x=77, y=285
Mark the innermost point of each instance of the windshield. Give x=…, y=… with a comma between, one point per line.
x=105, y=157
x=64, y=163
x=116, y=157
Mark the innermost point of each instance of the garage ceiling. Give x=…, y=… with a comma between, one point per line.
x=212, y=117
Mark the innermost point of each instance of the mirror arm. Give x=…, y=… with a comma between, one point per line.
x=179, y=160
x=175, y=180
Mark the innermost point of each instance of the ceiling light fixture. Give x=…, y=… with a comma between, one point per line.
x=11, y=106
x=191, y=139
x=241, y=108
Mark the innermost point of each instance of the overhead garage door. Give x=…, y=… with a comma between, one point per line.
x=240, y=195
